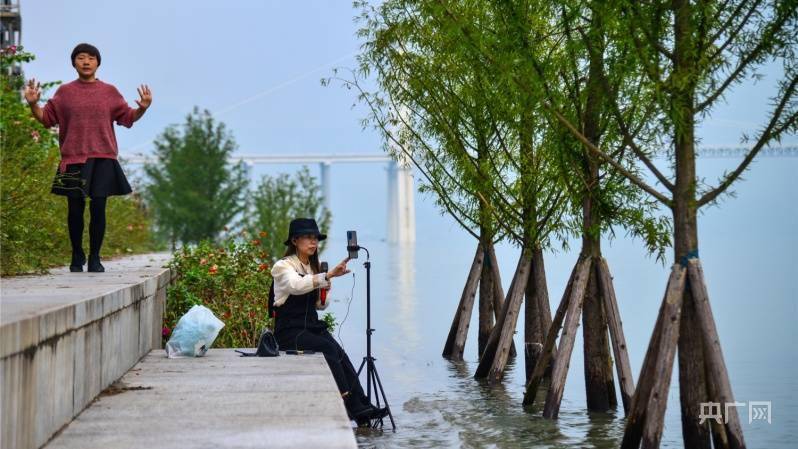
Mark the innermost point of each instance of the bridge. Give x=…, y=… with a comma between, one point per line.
x=401, y=208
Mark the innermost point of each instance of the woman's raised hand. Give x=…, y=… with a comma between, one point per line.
x=146, y=97
x=33, y=91
x=339, y=270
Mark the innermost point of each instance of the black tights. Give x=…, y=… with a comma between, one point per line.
x=96, y=225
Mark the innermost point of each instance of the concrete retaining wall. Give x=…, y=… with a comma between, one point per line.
x=67, y=336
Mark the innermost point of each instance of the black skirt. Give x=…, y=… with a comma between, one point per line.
x=98, y=177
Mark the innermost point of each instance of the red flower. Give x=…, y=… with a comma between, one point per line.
x=213, y=269
x=203, y=261
x=256, y=242
x=166, y=331
x=263, y=234
x=263, y=266
x=34, y=135
x=226, y=315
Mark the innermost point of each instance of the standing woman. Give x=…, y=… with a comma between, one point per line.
x=85, y=111
x=298, y=281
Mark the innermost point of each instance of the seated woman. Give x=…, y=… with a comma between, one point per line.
x=297, y=285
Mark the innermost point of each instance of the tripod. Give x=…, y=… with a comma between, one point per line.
x=372, y=378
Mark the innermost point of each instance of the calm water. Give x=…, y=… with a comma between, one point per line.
x=748, y=249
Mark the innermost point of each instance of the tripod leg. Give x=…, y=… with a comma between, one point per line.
x=384, y=398
x=361, y=366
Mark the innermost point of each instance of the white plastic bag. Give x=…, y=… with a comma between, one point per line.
x=194, y=333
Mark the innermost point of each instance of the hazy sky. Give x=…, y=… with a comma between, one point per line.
x=218, y=55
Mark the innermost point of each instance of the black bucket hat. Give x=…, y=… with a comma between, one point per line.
x=303, y=226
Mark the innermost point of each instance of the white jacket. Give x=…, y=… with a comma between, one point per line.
x=287, y=280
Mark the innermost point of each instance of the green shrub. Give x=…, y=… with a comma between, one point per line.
x=33, y=230
x=232, y=279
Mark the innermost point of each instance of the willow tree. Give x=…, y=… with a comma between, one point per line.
x=447, y=146
x=692, y=54
x=546, y=59
x=602, y=198
x=477, y=147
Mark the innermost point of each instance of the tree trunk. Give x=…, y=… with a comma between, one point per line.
x=599, y=383
x=537, y=315
x=455, y=342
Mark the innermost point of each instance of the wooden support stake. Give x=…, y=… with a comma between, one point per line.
x=559, y=371
x=692, y=377
x=615, y=325
x=716, y=366
x=509, y=324
x=663, y=367
x=486, y=300
x=547, y=354
x=498, y=348
x=455, y=342
x=720, y=438
x=637, y=412
x=498, y=298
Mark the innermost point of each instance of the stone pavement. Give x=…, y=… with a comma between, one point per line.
x=217, y=401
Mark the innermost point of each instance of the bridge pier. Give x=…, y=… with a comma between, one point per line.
x=325, y=182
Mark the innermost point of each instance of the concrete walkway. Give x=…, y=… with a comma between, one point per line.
x=217, y=401
x=26, y=297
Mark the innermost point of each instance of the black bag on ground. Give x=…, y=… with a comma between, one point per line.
x=267, y=346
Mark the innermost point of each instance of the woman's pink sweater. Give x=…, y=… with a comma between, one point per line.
x=85, y=112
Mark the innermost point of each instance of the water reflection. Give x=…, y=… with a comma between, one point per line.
x=403, y=270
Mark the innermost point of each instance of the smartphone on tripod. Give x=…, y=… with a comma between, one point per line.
x=351, y=244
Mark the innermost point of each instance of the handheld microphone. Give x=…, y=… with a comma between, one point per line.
x=323, y=294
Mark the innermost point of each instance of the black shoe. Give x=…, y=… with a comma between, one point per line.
x=365, y=419
x=78, y=259
x=356, y=409
x=94, y=265
x=378, y=413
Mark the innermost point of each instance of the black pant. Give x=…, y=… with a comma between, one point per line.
x=320, y=340
x=96, y=225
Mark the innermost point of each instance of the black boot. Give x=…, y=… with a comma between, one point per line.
x=94, y=264
x=78, y=259
x=357, y=410
x=363, y=413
